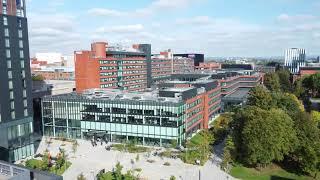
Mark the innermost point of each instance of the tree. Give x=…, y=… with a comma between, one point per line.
x=117, y=172
x=81, y=177
x=172, y=178
x=272, y=82
x=260, y=97
x=298, y=89
x=312, y=84
x=284, y=79
x=38, y=78
x=45, y=164
x=263, y=136
x=315, y=116
x=307, y=153
x=289, y=103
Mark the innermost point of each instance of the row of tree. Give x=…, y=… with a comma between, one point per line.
x=274, y=128
x=308, y=86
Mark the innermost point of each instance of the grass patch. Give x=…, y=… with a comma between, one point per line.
x=38, y=164
x=269, y=173
x=129, y=148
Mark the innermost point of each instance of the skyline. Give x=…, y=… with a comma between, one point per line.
x=210, y=27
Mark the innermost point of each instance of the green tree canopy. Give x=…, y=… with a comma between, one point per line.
x=284, y=78
x=272, y=82
x=260, y=97
x=307, y=153
x=263, y=136
x=312, y=84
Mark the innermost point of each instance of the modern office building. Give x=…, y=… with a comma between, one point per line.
x=178, y=108
x=294, y=59
x=16, y=122
x=116, y=67
x=198, y=58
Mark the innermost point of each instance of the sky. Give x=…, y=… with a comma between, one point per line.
x=214, y=27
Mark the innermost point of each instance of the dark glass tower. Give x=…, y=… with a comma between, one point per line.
x=16, y=122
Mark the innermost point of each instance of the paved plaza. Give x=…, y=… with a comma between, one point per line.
x=90, y=160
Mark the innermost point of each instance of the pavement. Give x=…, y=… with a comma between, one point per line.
x=90, y=160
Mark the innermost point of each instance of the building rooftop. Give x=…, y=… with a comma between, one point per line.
x=115, y=94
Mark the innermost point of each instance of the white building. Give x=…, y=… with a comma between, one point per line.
x=294, y=59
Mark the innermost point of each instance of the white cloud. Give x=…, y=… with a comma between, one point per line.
x=198, y=20
x=105, y=12
x=121, y=29
x=155, y=7
x=296, y=18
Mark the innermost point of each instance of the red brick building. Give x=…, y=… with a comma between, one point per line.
x=113, y=67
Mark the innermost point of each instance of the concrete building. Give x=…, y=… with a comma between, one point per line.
x=16, y=122
x=197, y=58
x=211, y=66
x=161, y=65
x=182, y=65
x=55, y=73
x=10, y=171
x=295, y=59
x=104, y=66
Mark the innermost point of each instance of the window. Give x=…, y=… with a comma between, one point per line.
x=24, y=93
x=6, y=32
x=20, y=33
x=4, y=1
x=4, y=10
x=7, y=43
x=5, y=21
x=25, y=103
x=22, y=64
x=23, y=74
x=8, y=54
x=25, y=112
x=20, y=44
x=10, y=85
x=12, y=104
x=9, y=64
x=10, y=74
x=13, y=115
x=21, y=54
x=11, y=95
x=19, y=23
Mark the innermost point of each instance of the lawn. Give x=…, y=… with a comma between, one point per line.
x=131, y=148
x=270, y=173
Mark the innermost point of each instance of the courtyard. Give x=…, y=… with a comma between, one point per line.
x=89, y=160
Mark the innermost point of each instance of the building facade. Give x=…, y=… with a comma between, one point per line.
x=55, y=73
x=16, y=122
x=113, y=67
x=211, y=66
x=197, y=58
x=294, y=59
x=161, y=65
x=182, y=65
x=183, y=105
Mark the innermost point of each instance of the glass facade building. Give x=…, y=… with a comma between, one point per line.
x=155, y=122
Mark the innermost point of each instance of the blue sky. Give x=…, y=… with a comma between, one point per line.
x=213, y=27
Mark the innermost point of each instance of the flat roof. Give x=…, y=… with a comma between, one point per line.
x=239, y=94
x=116, y=94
